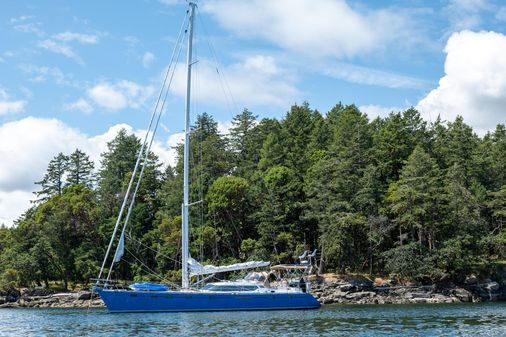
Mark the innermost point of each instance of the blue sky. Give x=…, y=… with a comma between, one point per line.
x=73, y=73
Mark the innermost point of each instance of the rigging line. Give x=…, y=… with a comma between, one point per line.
x=151, y=271
x=130, y=237
x=216, y=59
x=145, y=163
x=146, y=154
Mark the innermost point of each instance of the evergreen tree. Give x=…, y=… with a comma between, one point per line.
x=242, y=142
x=457, y=145
x=80, y=169
x=54, y=180
x=297, y=129
x=414, y=200
x=117, y=165
x=228, y=208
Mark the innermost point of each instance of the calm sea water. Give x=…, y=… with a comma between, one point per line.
x=481, y=319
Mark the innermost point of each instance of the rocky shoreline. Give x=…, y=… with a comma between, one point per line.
x=45, y=298
x=348, y=290
x=365, y=291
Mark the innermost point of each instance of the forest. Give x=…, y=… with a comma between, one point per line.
x=394, y=196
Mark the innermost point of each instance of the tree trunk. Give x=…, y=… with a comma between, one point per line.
x=321, y=267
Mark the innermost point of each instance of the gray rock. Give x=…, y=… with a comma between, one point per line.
x=418, y=295
x=360, y=295
x=49, y=301
x=347, y=287
x=11, y=298
x=327, y=300
x=462, y=295
x=84, y=295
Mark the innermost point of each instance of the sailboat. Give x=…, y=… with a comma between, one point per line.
x=249, y=293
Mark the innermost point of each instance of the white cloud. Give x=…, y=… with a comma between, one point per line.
x=224, y=127
x=27, y=145
x=12, y=205
x=8, y=106
x=315, y=29
x=59, y=48
x=41, y=74
x=20, y=19
x=466, y=14
x=105, y=95
x=147, y=59
x=59, y=43
x=363, y=75
x=173, y=140
x=258, y=81
x=120, y=95
x=31, y=28
x=11, y=107
x=80, y=105
x=374, y=111
x=474, y=84
x=79, y=37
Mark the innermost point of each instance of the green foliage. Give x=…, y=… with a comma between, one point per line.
x=395, y=195
x=227, y=206
x=54, y=180
x=415, y=198
x=80, y=169
x=404, y=261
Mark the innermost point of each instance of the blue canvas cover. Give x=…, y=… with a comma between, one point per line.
x=147, y=286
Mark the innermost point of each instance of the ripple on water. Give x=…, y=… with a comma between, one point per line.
x=481, y=319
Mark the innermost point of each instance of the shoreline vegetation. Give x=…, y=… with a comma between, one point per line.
x=329, y=289
x=397, y=195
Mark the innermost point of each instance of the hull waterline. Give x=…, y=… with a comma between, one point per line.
x=177, y=301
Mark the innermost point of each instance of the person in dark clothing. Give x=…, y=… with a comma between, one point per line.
x=302, y=285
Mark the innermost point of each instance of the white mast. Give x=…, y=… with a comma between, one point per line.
x=185, y=280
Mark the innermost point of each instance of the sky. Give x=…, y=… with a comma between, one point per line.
x=73, y=73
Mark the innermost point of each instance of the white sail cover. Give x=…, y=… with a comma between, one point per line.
x=197, y=269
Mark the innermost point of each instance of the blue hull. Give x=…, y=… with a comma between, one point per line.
x=157, y=301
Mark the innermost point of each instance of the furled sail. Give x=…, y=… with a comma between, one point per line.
x=121, y=248
x=197, y=269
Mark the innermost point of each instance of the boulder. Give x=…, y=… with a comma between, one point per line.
x=83, y=295
x=418, y=295
x=327, y=300
x=49, y=301
x=462, y=295
x=360, y=295
x=347, y=287
x=11, y=294
x=39, y=291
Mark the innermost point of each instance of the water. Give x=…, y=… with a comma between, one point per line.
x=480, y=319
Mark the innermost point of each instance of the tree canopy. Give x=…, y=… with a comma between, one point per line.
x=395, y=195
